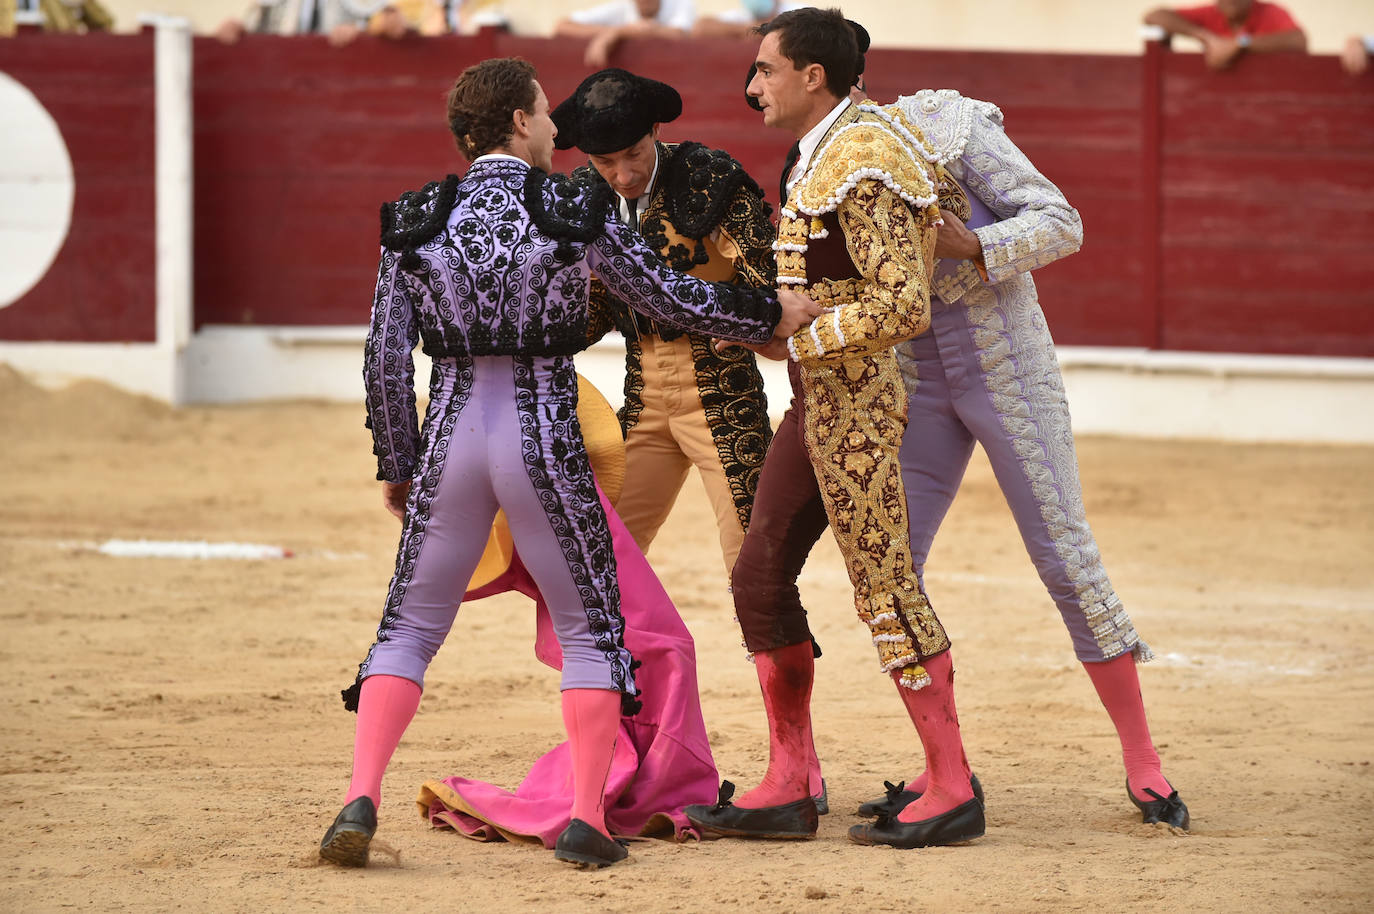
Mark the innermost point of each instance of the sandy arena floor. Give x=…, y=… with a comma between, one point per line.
x=173, y=738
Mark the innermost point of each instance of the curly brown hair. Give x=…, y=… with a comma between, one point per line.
x=481, y=103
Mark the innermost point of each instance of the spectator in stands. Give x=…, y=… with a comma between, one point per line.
x=25, y=10
x=1355, y=54
x=468, y=17
x=605, y=25
x=343, y=20
x=54, y=16
x=741, y=21
x=267, y=17
x=1228, y=29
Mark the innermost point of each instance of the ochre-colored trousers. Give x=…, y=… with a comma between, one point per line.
x=668, y=439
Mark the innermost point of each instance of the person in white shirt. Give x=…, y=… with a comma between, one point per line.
x=343, y=21
x=604, y=26
x=741, y=21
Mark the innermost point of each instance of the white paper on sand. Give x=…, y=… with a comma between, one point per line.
x=190, y=549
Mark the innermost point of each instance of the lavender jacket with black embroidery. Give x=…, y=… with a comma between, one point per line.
x=498, y=263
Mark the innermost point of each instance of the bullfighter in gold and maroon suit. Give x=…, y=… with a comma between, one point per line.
x=858, y=234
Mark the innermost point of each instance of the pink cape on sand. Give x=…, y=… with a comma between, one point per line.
x=662, y=758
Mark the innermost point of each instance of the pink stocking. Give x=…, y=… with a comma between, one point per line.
x=385, y=708
x=1119, y=688
x=814, y=781
x=785, y=676
x=932, y=710
x=592, y=718
x=919, y=782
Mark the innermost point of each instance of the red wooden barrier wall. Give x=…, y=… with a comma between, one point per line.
x=1267, y=204
x=1222, y=211
x=297, y=144
x=99, y=90
x=1078, y=118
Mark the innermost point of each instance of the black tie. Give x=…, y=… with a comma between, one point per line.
x=633, y=206
x=792, y=155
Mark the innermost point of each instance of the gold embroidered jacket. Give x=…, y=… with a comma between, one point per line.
x=707, y=217
x=858, y=234
x=870, y=173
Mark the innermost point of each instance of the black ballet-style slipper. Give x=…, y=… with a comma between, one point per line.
x=584, y=846
x=962, y=823
x=347, y=840
x=898, y=797
x=787, y=821
x=1170, y=810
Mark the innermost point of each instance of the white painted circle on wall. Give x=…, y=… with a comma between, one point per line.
x=36, y=191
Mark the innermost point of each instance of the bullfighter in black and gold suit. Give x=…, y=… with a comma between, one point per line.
x=686, y=404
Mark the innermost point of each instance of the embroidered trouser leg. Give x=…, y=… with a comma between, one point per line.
x=788, y=518
x=671, y=434
x=981, y=374
x=502, y=433
x=855, y=419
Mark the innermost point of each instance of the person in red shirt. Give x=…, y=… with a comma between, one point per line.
x=1228, y=29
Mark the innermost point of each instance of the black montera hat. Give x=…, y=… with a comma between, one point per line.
x=613, y=109
x=860, y=36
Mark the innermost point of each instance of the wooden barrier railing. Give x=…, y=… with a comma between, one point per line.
x=99, y=90
x=1226, y=212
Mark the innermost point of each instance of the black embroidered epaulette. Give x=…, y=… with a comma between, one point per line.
x=418, y=216
x=701, y=182
x=587, y=176
x=566, y=210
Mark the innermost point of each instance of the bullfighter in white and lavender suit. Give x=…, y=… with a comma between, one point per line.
x=986, y=372
x=491, y=272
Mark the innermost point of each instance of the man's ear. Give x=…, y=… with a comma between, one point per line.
x=521, y=120
x=815, y=77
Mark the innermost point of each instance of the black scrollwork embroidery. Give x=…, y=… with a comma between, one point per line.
x=417, y=217
x=438, y=430
x=557, y=465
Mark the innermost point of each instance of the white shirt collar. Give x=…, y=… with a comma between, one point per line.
x=807, y=144
x=643, y=202
x=498, y=156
